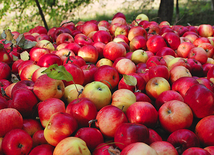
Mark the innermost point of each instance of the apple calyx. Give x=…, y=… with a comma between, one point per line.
x=113, y=151
x=20, y=146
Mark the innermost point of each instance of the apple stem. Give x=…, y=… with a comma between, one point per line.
x=154, y=63
x=68, y=57
x=4, y=93
x=91, y=121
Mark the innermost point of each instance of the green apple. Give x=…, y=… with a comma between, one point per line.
x=98, y=92
x=139, y=56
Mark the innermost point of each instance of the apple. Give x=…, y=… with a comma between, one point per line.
x=192, y=36
x=46, y=87
x=83, y=110
x=138, y=42
x=198, y=53
x=164, y=147
x=201, y=40
x=104, y=23
x=108, y=120
x=179, y=112
x=128, y=133
x=28, y=71
x=210, y=74
x=3, y=102
x=24, y=64
x=142, y=113
x=36, y=52
x=104, y=61
x=98, y=92
x=15, y=65
x=5, y=70
x=76, y=72
x=82, y=40
x=31, y=126
x=210, y=149
x=42, y=149
x=64, y=38
x=166, y=51
x=153, y=136
x=49, y=107
x=60, y=126
x=38, y=29
x=142, y=17
x=107, y=75
x=74, y=47
x=125, y=66
x=123, y=98
x=206, y=82
x=88, y=27
x=72, y=92
x=205, y=30
x=123, y=37
x=201, y=106
x=167, y=96
x=114, y=50
x=183, y=139
x=182, y=85
x=71, y=145
x=139, y=148
x=92, y=136
x=178, y=61
x=178, y=72
x=4, y=56
x=142, y=97
x=26, y=84
x=208, y=47
x=137, y=31
x=25, y=101
x=155, y=43
x=124, y=83
x=89, y=53
x=105, y=149
x=63, y=53
x=195, y=150
x=8, y=116
x=139, y=56
x=49, y=59
x=156, y=85
x=159, y=71
x=17, y=141
x=38, y=138
x=172, y=39
x=99, y=46
x=119, y=20
x=43, y=37
x=89, y=70
x=196, y=67
x=77, y=60
x=37, y=73
x=204, y=130
x=45, y=44
x=155, y=60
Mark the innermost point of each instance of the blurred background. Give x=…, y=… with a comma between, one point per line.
x=22, y=15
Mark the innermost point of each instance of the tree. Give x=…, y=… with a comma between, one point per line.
x=40, y=10
x=165, y=12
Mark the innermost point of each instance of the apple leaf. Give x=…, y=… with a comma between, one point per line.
x=130, y=80
x=8, y=36
x=58, y=72
x=29, y=44
x=23, y=43
x=20, y=40
x=24, y=55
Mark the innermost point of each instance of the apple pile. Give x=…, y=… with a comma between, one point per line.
x=108, y=88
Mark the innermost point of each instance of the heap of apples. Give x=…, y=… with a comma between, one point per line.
x=108, y=88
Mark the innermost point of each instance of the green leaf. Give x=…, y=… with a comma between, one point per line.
x=130, y=80
x=20, y=40
x=29, y=44
x=58, y=72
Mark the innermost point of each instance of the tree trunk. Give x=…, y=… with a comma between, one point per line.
x=165, y=12
x=41, y=14
x=212, y=5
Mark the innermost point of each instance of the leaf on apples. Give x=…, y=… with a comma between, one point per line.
x=29, y=44
x=130, y=80
x=58, y=72
x=23, y=43
x=24, y=55
x=8, y=36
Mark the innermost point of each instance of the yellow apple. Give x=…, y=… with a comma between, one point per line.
x=71, y=92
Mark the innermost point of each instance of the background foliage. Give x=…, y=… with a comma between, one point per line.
x=25, y=14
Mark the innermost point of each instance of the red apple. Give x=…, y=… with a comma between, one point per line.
x=195, y=150
x=128, y=133
x=73, y=47
x=166, y=51
x=83, y=110
x=137, y=31
x=167, y=96
x=159, y=71
x=142, y=113
x=208, y=47
x=178, y=72
x=142, y=97
x=38, y=138
x=31, y=126
x=92, y=136
x=179, y=111
x=60, y=126
x=198, y=53
x=88, y=71
x=36, y=52
x=196, y=67
x=164, y=147
x=42, y=149
x=204, y=130
x=205, y=30
x=108, y=120
x=155, y=43
x=138, y=42
x=124, y=66
x=172, y=39
x=195, y=97
x=114, y=50
x=64, y=38
x=5, y=70
x=183, y=139
x=46, y=87
x=48, y=107
x=17, y=141
x=206, y=82
x=155, y=61
x=108, y=75
x=89, y=53
x=184, y=49
x=88, y=27
x=49, y=59
x=82, y=39
x=182, y=85
x=26, y=84
x=153, y=136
